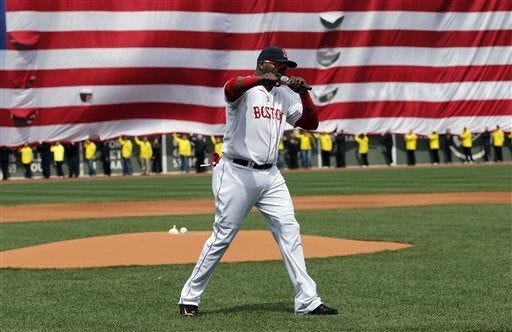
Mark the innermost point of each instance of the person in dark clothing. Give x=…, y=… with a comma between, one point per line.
x=46, y=158
x=387, y=140
x=200, y=151
x=339, y=141
x=447, y=146
x=4, y=161
x=292, y=148
x=105, y=157
x=72, y=158
x=156, y=158
x=486, y=141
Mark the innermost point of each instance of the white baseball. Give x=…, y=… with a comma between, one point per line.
x=183, y=230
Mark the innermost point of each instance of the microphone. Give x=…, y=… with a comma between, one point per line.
x=286, y=79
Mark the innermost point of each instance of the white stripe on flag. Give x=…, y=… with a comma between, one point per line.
x=246, y=60
x=254, y=23
x=110, y=129
x=214, y=97
x=422, y=126
x=104, y=130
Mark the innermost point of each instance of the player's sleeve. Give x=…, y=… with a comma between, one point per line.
x=293, y=109
x=302, y=112
x=236, y=87
x=294, y=114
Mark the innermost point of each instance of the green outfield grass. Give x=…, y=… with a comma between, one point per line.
x=456, y=276
x=326, y=182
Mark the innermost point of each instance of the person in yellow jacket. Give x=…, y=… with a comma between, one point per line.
x=363, y=147
x=145, y=154
x=411, y=142
x=217, y=144
x=467, y=144
x=126, y=155
x=325, y=142
x=498, y=140
x=26, y=159
x=306, y=147
x=58, y=158
x=90, y=156
x=433, y=144
x=184, y=150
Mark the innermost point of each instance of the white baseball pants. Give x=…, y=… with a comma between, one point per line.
x=237, y=189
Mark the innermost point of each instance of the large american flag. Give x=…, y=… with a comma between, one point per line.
x=158, y=66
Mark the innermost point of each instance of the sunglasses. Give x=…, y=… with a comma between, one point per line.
x=277, y=65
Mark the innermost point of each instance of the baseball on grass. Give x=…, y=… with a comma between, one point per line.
x=183, y=230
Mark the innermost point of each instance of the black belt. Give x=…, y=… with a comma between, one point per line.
x=251, y=164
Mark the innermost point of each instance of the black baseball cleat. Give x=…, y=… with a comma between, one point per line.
x=322, y=309
x=189, y=310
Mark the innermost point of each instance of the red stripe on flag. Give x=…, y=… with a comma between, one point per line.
x=415, y=109
x=100, y=113
x=217, y=78
x=258, y=6
x=216, y=115
x=257, y=41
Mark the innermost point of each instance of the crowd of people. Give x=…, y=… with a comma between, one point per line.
x=296, y=150
x=58, y=154
x=495, y=138
x=300, y=146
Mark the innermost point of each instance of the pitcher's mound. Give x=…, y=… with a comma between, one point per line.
x=158, y=248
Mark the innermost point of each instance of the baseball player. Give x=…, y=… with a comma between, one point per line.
x=257, y=108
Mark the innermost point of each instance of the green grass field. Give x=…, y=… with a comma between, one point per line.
x=456, y=276
x=335, y=182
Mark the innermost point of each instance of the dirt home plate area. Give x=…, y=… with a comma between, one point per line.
x=155, y=248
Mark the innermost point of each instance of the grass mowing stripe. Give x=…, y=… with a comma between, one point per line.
x=329, y=182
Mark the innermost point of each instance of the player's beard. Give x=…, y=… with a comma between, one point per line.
x=268, y=86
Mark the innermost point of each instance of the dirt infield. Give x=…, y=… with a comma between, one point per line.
x=154, y=248
x=22, y=213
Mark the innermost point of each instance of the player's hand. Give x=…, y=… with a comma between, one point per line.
x=298, y=84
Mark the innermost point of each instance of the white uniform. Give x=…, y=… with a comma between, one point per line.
x=254, y=125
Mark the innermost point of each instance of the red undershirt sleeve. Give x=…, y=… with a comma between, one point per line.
x=309, y=118
x=237, y=86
